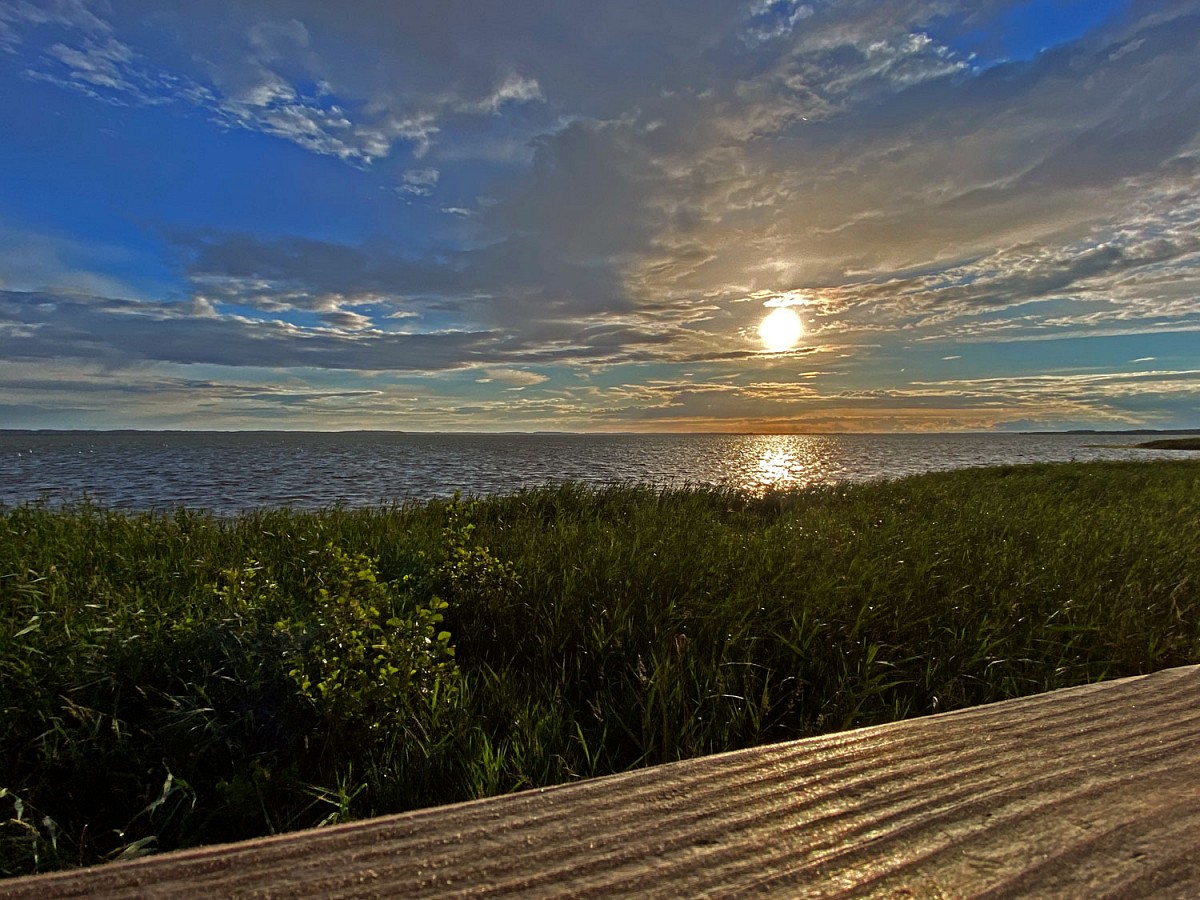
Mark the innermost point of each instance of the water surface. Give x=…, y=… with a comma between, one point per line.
x=226, y=472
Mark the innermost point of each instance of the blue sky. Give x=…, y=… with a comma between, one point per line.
x=550, y=214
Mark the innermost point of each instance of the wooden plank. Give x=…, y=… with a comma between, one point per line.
x=1086, y=792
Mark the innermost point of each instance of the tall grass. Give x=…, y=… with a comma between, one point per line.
x=174, y=679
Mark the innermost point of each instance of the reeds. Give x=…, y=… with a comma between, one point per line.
x=174, y=679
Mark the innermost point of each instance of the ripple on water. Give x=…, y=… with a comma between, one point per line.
x=229, y=472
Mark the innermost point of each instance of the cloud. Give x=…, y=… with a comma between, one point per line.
x=516, y=378
x=673, y=211
x=419, y=182
x=39, y=326
x=43, y=326
x=946, y=170
x=100, y=65
x=513, y=88
x=347, y=320
x=790, y=406
x=1093, y=272
x=769, y=19
x=32, y=261
x=18, y=16
x=270, y=78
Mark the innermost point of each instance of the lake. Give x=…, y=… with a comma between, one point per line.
x=229, y=471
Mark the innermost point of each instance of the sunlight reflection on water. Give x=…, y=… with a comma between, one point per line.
x=226, y=472
x=783, y=461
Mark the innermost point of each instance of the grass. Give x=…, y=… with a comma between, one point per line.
x=1189, y=443
x=174, y=679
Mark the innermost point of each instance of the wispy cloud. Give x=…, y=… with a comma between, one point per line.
x=18, y=16
x=253, y=92
x=419, y=182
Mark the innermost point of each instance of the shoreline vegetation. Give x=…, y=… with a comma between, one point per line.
x=172, y=679
x=1192, y=443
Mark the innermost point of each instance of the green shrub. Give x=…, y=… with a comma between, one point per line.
x=374, y=656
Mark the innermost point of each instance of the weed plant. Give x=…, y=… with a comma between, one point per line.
x=171, y=679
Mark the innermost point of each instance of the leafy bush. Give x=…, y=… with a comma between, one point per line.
x=374, y=656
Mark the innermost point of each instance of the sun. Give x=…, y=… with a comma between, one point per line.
x=781, y=330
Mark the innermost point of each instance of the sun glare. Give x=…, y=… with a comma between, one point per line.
x=780, y=330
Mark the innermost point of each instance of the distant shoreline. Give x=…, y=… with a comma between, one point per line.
x=153, y=431
x=1173, y=444
x=1133, y=431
